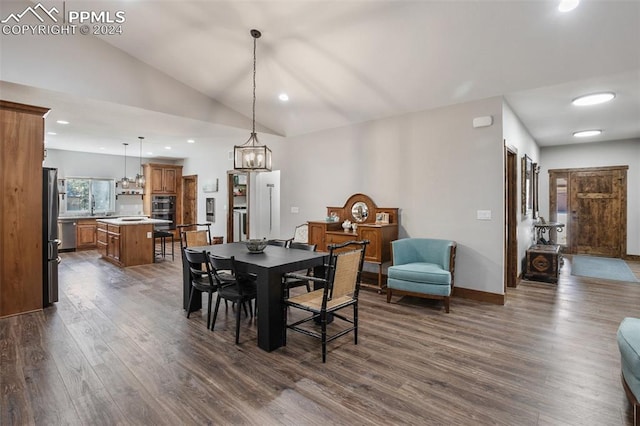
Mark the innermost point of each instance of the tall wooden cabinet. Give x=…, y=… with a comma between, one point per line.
x=163, y=179
x=21, y=156
x=324, y=233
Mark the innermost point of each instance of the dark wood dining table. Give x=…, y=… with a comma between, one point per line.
x=269, y=266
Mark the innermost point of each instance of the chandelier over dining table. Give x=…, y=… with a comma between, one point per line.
x=252, y=156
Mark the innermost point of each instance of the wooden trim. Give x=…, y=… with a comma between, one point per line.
x=632, y=257
x=20, y=313
x=480, y=296
x=27, y=109
x=589, y=169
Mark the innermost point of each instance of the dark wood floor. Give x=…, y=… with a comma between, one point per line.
x=117, y=349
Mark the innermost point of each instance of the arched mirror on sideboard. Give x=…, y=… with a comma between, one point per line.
x=379, y=225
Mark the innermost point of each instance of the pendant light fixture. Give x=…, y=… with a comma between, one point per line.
x=140, y=181
x=252, y=156
x=125, y=180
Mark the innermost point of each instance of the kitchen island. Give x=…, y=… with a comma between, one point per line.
x=127, y=241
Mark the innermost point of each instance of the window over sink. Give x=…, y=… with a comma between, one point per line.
x=90, y=195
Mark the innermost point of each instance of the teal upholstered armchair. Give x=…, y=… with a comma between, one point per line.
x=422, y=267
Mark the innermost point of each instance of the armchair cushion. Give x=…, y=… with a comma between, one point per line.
x=420, y=272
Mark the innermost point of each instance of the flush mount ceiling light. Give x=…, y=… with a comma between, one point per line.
x=140, y=180
x=283, y=97
x=568, y=5
x=587, y=133
x=593, y=99
x=62, y=122
x=252, y=156
x=125, y=180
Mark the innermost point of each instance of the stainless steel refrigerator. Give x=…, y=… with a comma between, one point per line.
x=50, y=240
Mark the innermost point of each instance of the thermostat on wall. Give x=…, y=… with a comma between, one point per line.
x=483, y=121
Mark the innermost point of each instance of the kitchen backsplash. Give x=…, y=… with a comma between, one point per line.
x=129, y=205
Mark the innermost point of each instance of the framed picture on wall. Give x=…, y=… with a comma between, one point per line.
x=534, y=186
x=382, y=218
x=527, y=185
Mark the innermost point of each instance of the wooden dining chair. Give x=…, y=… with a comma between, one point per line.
x=290, y=282
x=340, y=288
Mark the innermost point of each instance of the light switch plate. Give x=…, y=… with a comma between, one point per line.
x=295, y=210
x=483, y=214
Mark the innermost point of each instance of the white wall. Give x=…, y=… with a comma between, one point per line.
x=83, y=164
x=212, y=161
x=612, y=153
x=54, y=63
x=433, y=165
x=518, y=137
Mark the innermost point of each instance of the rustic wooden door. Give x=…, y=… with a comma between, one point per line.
x=511, y=222
x=190, y=199
x=598, y=218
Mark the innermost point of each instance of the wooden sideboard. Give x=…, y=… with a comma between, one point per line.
x=326, y=232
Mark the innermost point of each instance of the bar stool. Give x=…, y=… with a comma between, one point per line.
x=163, y=235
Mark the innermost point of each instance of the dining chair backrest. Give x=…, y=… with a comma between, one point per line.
x=278, y=243
x=346, y=274
x=197, y=238
x=195, y=234
x=219, y=263
x=199, y=267
x=302, y=246
x=301, y=234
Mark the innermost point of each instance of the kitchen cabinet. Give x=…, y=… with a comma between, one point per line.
x=125, y=245
x=108, y=240
x=101, y=240
x=86, y=234
x=163, y=178
x=21, y=246
x=324, y=233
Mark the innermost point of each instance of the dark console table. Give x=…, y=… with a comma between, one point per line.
x=542, y=228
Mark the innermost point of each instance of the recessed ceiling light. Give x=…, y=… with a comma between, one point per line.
x=190, y=141
x=283, y=97
x=51, y=133
x=167, y=147
x=62, y=122
x=102, y=148
x=587, y=133
x=568, y=5
x=149, y=153
x=593, y=99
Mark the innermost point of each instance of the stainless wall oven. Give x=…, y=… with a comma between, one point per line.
x=164, y=207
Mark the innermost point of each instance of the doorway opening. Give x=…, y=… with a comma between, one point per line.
x=592, y=202
x=189, y=199
x=511, y=214
x=238, y=188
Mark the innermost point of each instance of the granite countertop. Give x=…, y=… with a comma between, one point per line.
x=133, y=220
x=103, y=216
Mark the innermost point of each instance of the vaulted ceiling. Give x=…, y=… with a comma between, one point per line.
x=342, y=63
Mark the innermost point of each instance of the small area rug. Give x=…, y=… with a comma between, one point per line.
x=602, y=267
